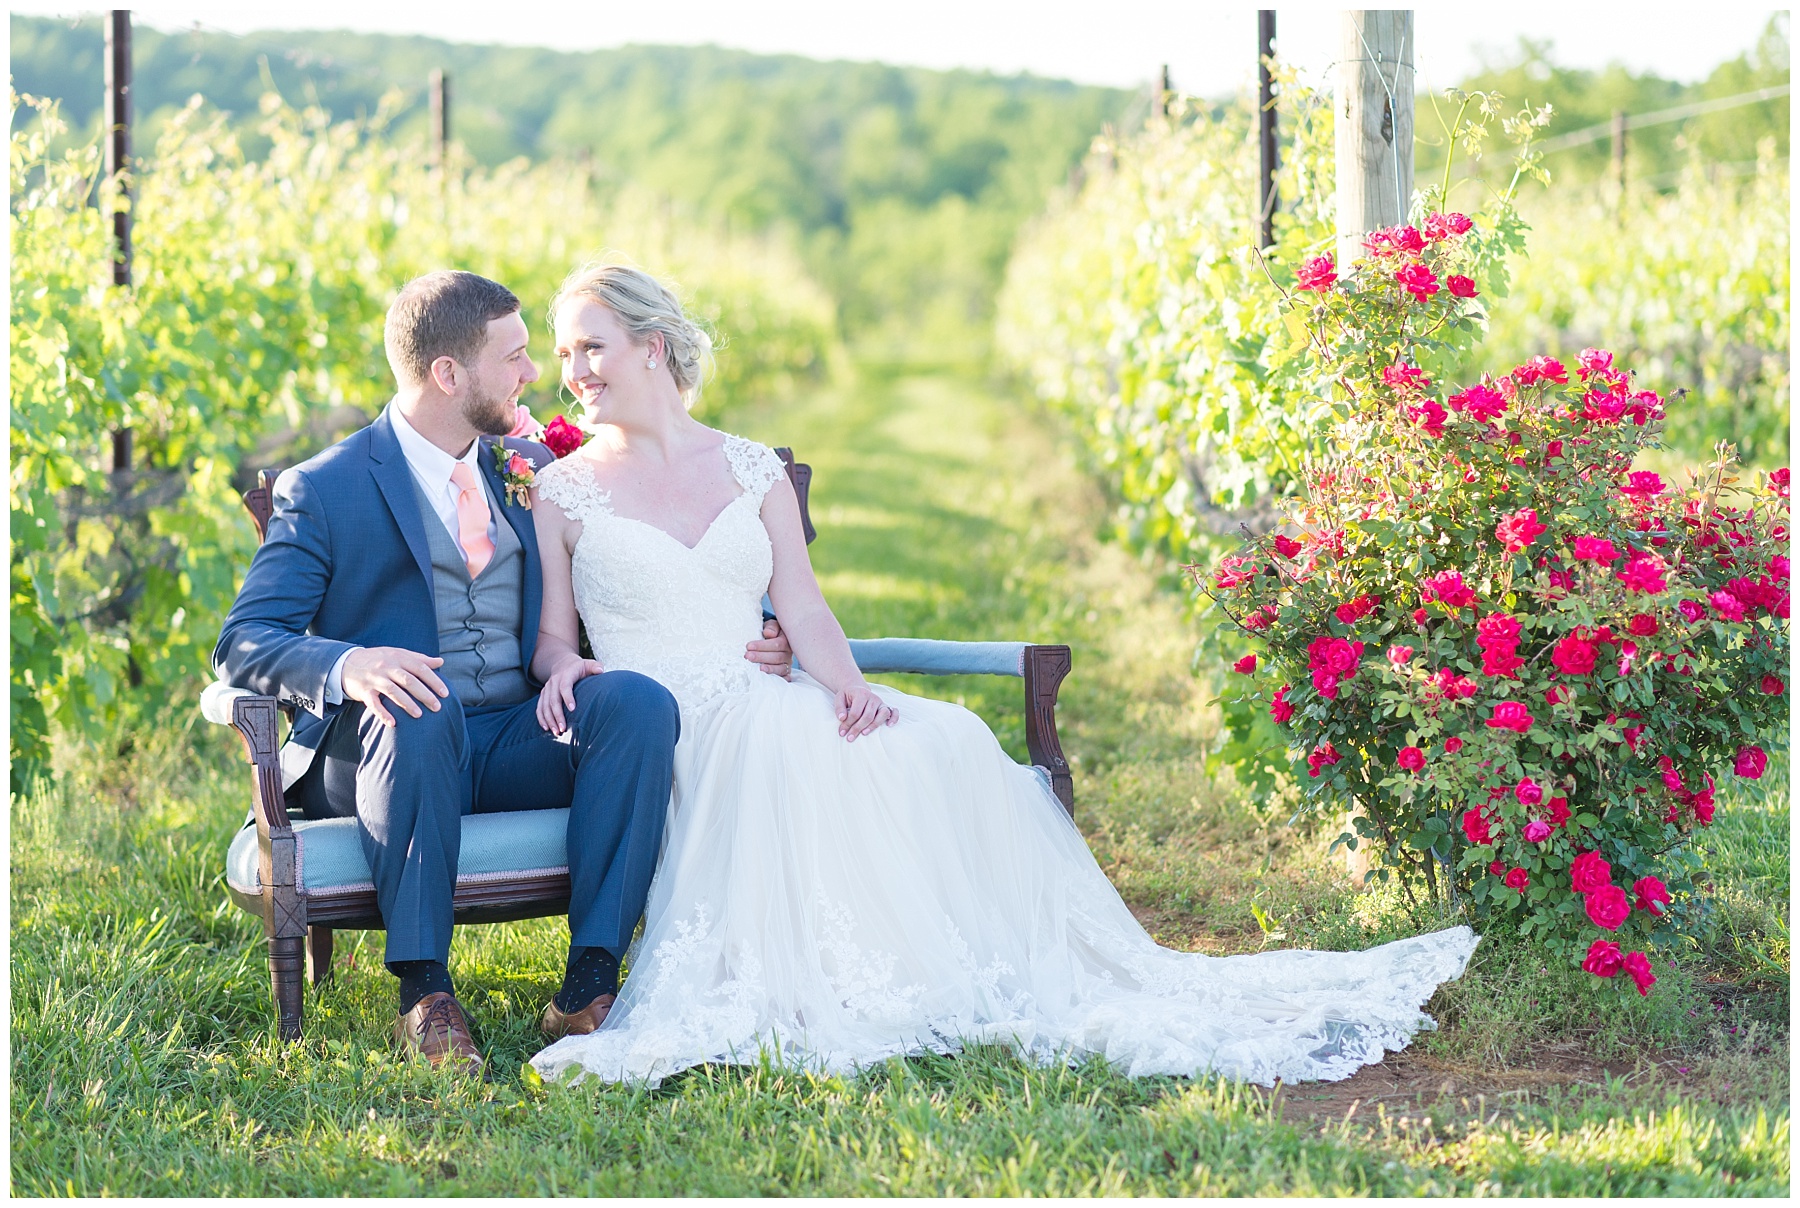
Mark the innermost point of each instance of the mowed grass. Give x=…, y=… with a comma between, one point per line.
x=143, y=1053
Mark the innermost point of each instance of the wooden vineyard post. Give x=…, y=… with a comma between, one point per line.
x=1374, y=172
x=1265, y=117
x=117, y=116
x=1374, y=125
x=440, y=117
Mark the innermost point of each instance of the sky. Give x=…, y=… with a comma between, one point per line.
x=1210, y=48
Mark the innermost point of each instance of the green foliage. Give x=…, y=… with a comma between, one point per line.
x=1631, y=639
x=251, y=337
x=1140, y=309
x=1656, y=155
x=903, y=187
x=1691, y=283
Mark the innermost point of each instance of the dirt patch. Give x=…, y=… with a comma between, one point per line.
x=1413, y=1082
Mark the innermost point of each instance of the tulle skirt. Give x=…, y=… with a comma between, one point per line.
x=833, y=904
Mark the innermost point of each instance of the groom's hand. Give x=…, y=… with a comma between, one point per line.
x=772, y=653
x=403, y=676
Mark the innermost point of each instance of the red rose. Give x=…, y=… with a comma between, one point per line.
x=1728, y=606
x=1245, y=665
x=1556, y=811
x=1561, y=695
x=1751, y=761
x=1447, y=587
x=1418, y=281
x=1452, y=745
x=1637, y=967
x=1603, y=958
x=1518, y=879
x=1529, y=792
x=1607, y=906
x=1325, y=754
x=1541, y=369
x=1501, y=663
x=1518, y=530
x=1479, y=403
x=1429, y=417
x=1475, y=826
x=1595, y=549
x=1498, y=868
x=1280, y=710
x=1318, y=274
x=1443, y=226
x=1409, y=379
x=1355, y=610
x=1593, y=360
x=1287, y=547
x=1778, y=482
x=1643, y=625
x=1334, y=656
x=1460, y=286
x=562, y=437
x=1588, y=872
x=1644, y=573
x=1399, y=656
x=1411, y=758
x=1772, y=686
x=1510, y=715
x=1652, y=895
x=1573, y=656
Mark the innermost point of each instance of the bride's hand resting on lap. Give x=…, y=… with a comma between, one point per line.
x=859, y=711
x=557, y=700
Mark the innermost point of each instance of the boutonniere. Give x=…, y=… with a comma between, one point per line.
x=516, y=473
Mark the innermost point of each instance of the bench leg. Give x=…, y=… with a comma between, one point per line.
x=318, y=955
x=287, y=960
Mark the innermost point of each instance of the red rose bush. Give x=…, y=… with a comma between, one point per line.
x=1523, y=660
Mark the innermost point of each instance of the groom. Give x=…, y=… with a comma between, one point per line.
x=395, y=602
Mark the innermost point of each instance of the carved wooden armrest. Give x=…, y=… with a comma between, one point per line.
x=1042, y=667
x=254, y=718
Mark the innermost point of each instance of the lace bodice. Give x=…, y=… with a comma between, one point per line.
x=655, y=606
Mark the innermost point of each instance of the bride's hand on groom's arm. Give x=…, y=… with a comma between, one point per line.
x=557, y=700
x=772, y=653
x=405, y=677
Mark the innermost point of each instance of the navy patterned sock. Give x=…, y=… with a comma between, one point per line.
x=419, y=978
x=591, y=973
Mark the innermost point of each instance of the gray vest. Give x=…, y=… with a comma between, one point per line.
x=478, y=621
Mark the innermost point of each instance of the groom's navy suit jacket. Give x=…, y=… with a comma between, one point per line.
x=345, y=563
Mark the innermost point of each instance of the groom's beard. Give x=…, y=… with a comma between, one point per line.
x=490, y=415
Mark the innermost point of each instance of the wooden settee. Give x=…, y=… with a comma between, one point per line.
x=308, y=878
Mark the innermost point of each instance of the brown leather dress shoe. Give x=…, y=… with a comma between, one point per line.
x=437, y=1029
x=558, y=1024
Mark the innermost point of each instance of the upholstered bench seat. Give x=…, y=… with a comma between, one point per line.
x=504, y=848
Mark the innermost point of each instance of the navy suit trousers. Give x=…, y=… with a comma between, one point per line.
x=409, y=785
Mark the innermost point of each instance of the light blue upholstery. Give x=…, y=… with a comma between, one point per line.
x=493, y=845
x=927, y=656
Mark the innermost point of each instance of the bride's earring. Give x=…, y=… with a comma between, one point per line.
x=650, y=363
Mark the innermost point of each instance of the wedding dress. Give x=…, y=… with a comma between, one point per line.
x=836, y=903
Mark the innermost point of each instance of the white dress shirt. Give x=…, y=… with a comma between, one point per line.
x=430, y=468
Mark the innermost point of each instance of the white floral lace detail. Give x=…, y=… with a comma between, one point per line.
x=756, y=467
x=569, y=483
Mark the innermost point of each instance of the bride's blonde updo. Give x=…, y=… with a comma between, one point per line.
x=645, y=306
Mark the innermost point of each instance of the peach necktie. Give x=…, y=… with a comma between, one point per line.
x=472, y=519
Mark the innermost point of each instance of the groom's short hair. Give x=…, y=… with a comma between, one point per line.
x=442, y=314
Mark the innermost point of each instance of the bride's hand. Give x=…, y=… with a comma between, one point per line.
x=557, y=700
x=859, y=710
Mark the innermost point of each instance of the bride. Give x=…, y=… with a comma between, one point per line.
x=849, y=872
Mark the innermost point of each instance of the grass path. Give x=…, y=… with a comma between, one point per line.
x=142, y=1051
